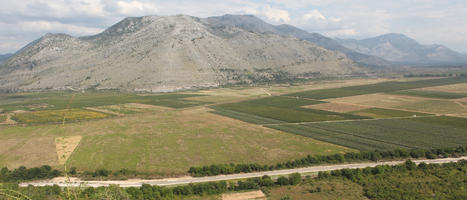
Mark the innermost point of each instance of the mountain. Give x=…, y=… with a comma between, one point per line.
x=4, y=57
x=253, y=23
x=158, y=54
x=401, y=49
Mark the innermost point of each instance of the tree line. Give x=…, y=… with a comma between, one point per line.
x=218, y=169
x=404, y=181
x=23, y=174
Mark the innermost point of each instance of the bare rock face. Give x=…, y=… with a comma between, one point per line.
x=158, y=54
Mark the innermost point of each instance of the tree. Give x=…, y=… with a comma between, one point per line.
x=283, y=180
x=295, y=178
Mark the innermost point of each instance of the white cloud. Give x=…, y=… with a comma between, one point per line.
x=277, y=15
x=137, y=8
x=314, y=15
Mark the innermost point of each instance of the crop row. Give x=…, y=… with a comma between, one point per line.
x=382, y=134
x=376, y=88
x=285, y=109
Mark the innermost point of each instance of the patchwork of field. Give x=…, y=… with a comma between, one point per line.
x=362, y=120
x=280, y=109
x=376, y=88
x=57, y=101
x=162, y=142
x=386, y=134
x=165, y=134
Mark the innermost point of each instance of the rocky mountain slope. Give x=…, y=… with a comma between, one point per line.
x=252, y=23
x=401, y=49
x=159, y=54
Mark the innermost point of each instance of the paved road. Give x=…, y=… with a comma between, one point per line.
x=74, y=182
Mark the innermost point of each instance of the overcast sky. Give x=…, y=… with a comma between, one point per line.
x=428, y=21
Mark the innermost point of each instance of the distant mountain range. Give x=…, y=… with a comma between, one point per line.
x=254, y=24
x=167, y=53
x=400, y=49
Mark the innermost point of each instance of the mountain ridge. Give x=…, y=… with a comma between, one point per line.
x=253, y=23
x=400, y=49
x=166, y=53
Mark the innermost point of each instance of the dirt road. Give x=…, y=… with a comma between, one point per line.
x=60, y=181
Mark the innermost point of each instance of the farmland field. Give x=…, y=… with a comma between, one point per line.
x=285, y=109
x=54, y=116
x=386, y=133
x=163, y=135
x=386, y=113
x=453, y=88
x=435, y=106
x=162, y=142
x=376, y=88
x=56, y=100
x=431, y=94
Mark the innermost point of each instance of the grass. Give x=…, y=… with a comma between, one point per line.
x=280, y=108
x=376, y=88
x=431, y=94
x=386, y=134
x=57, y=101
x=386, y=113
x=163, y=142
x=329, y=189
x=54, y=116
x=3, y=118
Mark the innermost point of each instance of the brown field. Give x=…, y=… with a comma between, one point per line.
x=31, y=151
x=163, y=142
x=436, y=106
x=65, y=147
x=456, y=88
x=379, y=100
x=244, y=195
x=337, y=107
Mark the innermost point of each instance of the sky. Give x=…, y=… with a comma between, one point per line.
x=427, y=21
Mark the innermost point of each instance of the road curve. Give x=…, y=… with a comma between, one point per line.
x=75, y=182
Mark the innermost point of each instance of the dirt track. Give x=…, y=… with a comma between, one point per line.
x=74, y=182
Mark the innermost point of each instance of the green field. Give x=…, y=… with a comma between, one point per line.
x=163, y=142
x=2, y=118
x=376, y=88
x=56, y=100
x=281, y=109
x=165, y=134
x=431, y=94
x=386, y=113
x=386, y=134
x=54, y=116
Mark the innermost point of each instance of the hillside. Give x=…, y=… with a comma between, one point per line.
x=253, y=23
x=401, y=49
x=160, y=54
